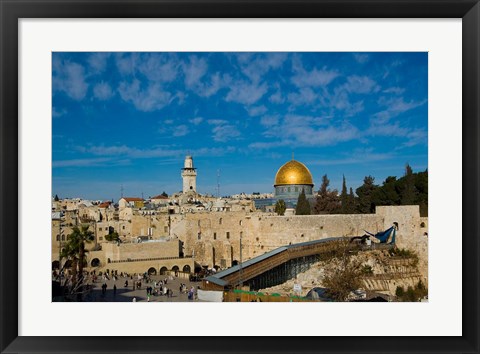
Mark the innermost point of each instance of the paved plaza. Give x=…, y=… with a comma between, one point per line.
x=126, y=294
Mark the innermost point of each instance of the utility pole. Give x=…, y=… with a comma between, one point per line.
x=218, y=183
x=241, y=261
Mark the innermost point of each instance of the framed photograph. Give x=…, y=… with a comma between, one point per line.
x=161, y=162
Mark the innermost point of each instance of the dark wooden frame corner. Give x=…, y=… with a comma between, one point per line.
x=13, y=10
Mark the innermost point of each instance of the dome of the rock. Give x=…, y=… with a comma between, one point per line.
x=293, y=173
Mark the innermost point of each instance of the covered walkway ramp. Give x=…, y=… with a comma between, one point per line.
x=284, y=263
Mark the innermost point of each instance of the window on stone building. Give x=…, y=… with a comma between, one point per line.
x=214, y=235
x=228, y=235
x=99, y=229
x=220, y=221
x=199, y=235
x=422, y=225
x=123, y=227
x=63, y=237
x=58, y=237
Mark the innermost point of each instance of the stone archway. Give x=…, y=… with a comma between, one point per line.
x=186, y=269
x=175, y=268
x=152, y=271
x=163, y=270
x=95, y=262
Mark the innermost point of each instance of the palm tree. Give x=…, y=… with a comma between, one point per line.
x=75, y=249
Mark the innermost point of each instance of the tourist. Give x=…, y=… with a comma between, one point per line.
x=126, y=284
x=114, y=290
x=134, y=299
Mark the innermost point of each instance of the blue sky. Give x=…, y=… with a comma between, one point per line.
x=129, y=119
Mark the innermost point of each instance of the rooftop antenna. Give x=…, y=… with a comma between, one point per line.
x=121, y=191
x=218, y=183
x=293, y=155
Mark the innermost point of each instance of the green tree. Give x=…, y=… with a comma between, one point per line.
x=303, y=206
x=344, y=197
x=352, y=204
x=366, y=196
x=409, y=190
x=75, y=249
x=164, y=194
x=56, y=198
x=280, y=207
x=327, y=201
x=112, y=236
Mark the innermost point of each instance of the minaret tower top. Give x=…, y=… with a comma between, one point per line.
x=189, y=175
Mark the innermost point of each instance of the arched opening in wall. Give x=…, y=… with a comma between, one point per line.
x=198, y=268
x=175, y=268
x=163, y=270
x=55, y=265
x=186, y=269
x=58, y=237
x=68, y=264
x=95, y=262
x=234, y=262
x=63, y=237
x=152, y=271
x=422, y=225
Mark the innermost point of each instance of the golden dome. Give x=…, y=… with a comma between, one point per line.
x=293, y=172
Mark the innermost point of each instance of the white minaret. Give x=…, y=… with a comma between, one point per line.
x=189, y=175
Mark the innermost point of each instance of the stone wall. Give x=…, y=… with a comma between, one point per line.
x=214, y=238
x=144, y=250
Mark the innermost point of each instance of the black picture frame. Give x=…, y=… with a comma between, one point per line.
x=11, y=11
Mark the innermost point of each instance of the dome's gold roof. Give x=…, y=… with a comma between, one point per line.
x=293, y=172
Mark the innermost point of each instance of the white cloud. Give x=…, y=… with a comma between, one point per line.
x=361, y=57
x=314, y=78
x=305, y=96
x=196, y=120
x=158, y=67
x=360, y=84
x=81, y=162
x=256, y=111
x=255, y=66
x=223, y=133
x=246, y=93
x=58, y=113
x=180, y=130
x=125, y=63
x=69, y=78
x=395, y=106
x=277, y=97
x=150, y=99
x=98, y=61
x=309, y=131
x=102, y=91
x=269, y=121
x=195, y=71
x=217, y=121
x=394, y=90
